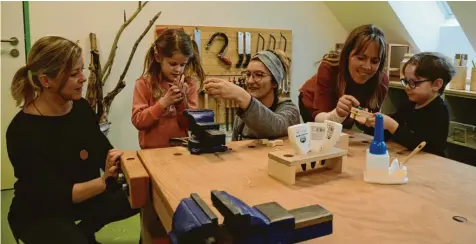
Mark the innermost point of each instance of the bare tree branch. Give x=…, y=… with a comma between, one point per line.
x=112, y=54
x=121, y=84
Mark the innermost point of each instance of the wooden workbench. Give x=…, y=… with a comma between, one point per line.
x=421, y=211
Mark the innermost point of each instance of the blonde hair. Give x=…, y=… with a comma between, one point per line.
x=167, y=43
x=52, y=56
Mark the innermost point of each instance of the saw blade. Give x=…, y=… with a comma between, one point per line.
x=198, y=40
x=247, y=43
x=240, y=42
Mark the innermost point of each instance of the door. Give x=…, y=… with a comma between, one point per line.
x=12, y=26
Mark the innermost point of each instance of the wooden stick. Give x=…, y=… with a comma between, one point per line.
x=415, y=151
x=108, y=66
x=121, y=84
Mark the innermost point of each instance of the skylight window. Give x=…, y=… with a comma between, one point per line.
x=445, y=9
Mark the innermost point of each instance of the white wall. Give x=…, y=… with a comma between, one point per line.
x=355, y=13
x=465, y=13
x=315, y=31
x=422, y=21
x=453, y=40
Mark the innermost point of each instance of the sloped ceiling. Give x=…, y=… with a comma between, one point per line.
x=353, y=14
x=465, y=14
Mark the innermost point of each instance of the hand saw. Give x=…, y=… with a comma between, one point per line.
x=198, y=40
x=240, y=50
x=247, y=49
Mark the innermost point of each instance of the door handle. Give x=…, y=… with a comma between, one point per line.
x=13, y=41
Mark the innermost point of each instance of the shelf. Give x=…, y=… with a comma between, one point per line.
x=460, y=144
x=461, y=93
x=396, y=84
x=449, y=92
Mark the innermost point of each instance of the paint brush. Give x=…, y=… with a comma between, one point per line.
x=415, y=151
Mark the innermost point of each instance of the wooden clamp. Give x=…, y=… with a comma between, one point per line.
x=284, y=165
x=137, y=179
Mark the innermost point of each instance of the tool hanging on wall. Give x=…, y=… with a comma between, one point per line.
x=227, y=109
x=240, y=50
x=269, y=42
x=198, y=40
x=285, y=42
x=262, y=43
x=221, y=54
x=247, y=49
x=197, y=37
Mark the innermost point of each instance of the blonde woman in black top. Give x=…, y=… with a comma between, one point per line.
x=57, y=150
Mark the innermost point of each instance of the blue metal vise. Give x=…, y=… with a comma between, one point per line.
x=206, y=136
x=264, y=223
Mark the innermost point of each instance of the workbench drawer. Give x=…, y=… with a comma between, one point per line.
x=463, y=133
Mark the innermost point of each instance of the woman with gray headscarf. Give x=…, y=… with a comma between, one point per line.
x=261, y=113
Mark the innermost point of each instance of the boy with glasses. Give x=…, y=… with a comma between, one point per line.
x=425, y=117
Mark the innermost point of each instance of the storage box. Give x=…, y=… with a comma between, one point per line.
x=462, y=133
x=473, y=79
x=459, y=80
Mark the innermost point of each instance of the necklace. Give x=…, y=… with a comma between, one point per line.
x=34, y=105
x=37, y=108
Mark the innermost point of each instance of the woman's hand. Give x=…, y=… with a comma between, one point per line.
x=223, y=89
x=174, y=95
x=345, y=104
x=111, y=167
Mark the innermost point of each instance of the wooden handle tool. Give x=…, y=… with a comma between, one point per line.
x=415, y=151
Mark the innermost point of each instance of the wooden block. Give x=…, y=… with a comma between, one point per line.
x=282, y=172
x=137, y=179
x=279, y=142
x=263, y=141
x=291, y=159
x=271, y=144
x=283, y=165
x=343, y=142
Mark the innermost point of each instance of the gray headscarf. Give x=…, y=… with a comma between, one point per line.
x=272, y=62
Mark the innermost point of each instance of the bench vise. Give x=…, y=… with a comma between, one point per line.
x=270, y=223
x=206, y=136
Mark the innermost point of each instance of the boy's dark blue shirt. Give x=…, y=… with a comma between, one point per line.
x=429, y=124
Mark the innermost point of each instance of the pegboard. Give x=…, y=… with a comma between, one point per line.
x=213, y=66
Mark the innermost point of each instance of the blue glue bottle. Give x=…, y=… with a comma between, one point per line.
x=377, y=158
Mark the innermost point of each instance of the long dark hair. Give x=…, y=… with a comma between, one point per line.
x=358, y=40
x=167, y=43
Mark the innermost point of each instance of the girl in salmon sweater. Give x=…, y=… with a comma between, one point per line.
x=166, y=88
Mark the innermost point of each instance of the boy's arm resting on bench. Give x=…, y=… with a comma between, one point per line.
x=435, y=136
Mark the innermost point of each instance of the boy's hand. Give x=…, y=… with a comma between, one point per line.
x=388, y=123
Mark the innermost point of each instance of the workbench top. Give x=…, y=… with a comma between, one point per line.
x=420, y=211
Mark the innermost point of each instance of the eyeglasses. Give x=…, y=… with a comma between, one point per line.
x=257, y=76
x=412, y=84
